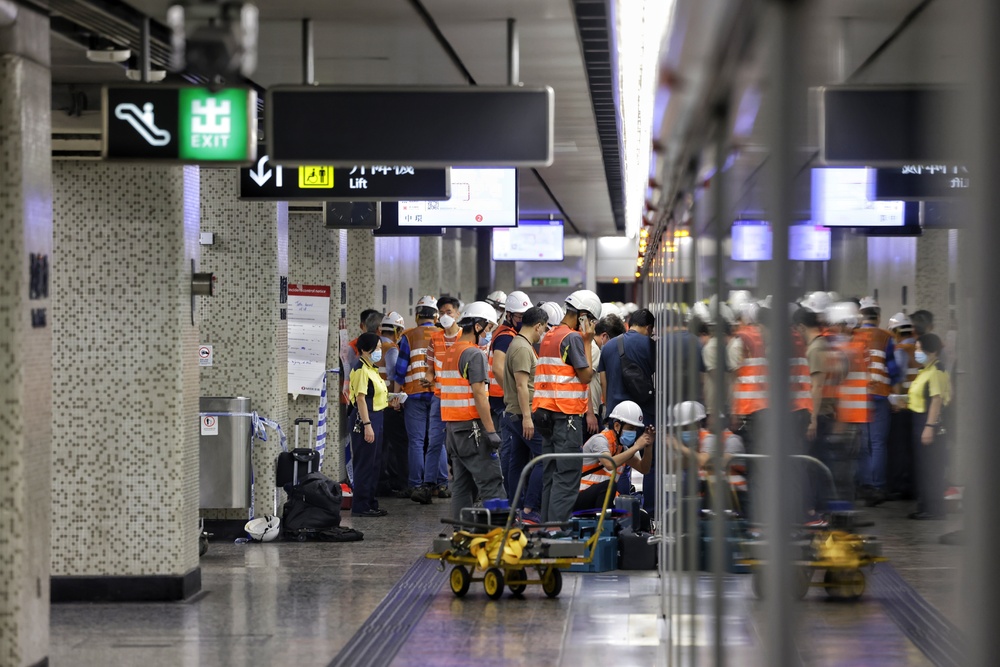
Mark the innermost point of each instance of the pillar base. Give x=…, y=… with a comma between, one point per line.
x=157, y=588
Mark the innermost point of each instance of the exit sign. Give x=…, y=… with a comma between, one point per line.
x=189, y=124
x=550, y=282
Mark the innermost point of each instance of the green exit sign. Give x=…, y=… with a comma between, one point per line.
x=189, y=124
x=550, y=282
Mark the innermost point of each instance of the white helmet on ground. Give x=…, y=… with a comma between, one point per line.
x=610, y=309
x=686, y=413
x=393, y=319
x=628, y=412
x=844, y=312
x=517, y=302
x=868, y=302
x=900, y=321
x=427, y=302
x=263, y=528
x=817, y=302
x=478, y=310
x=554, y=312
x=497, y=299
x=585, y=300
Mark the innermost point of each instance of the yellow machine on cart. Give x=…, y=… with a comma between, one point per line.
x=506, y=554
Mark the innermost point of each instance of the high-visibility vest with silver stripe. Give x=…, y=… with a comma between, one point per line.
x=852, y=396
x=496, y=384
x=386, y=346
x=556, y=386
x=912, y=368
x=800, y=381
x=439, y=345
x=458, y=404
x=419, y=339
x=750, y=384
x=877, y=341
x=596, y=472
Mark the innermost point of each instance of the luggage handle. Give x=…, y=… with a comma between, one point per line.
x=312, y=437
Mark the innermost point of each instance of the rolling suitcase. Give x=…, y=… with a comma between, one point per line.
x=293, y=466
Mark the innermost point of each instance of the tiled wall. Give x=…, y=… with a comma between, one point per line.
x=430, y=266
x=243, y=320
x=125, y=382
x=25, y=360
x=467, y=265
x=451, y=249
x=933, y=277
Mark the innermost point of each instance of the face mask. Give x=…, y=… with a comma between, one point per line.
x=517, y=327
x=687, y=437
x=376, y=356
x=487, y=338
x=627, y=438
x=920, y=357
x=447, y=321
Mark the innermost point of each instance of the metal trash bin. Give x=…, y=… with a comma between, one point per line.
x=224, y=449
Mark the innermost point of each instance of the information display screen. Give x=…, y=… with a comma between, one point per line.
x=844, y=198
x=479, y=198
x=751, y=241
x=530, y=241
x=810, y=243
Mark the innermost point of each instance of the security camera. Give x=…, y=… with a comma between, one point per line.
x=214, y=38
x=110, y=54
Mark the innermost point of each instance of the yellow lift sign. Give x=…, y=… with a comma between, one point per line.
x=315, y=176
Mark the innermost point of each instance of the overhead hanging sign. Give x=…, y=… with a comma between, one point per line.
x=422, y=127
x=371, y=182
x=180, y=124
x=921, y=182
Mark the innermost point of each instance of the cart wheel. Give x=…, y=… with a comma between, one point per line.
x=514, y=579
x=552, y=582
x=493, y=583
x=459, y=580
x=302, y=537
x=844, y=584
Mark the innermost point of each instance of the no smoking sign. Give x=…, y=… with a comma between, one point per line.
x=205, y=355
x=209, y=425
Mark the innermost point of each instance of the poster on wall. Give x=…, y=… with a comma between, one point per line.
x=308, y=331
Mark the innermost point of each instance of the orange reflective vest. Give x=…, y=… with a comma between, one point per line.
x=876, y=340
x=852, y=395
x=556, y=386
x=735, y=479
x=801, y=381
x=439, y=345
x=386, y=346
x=458, y=404
x=912, y=368
x=419, y=339
x=596, y=473
x=750, y=383
x=496, y=384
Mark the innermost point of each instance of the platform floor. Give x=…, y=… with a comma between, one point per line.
x=302, y=604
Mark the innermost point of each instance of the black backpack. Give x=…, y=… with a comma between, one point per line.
x=314, y=503
x=638, y=383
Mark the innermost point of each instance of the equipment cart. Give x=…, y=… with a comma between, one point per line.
x=506, y=554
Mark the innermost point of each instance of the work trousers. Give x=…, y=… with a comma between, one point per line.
x=395, y=452
x=931, y=461
x=561, y=477
x=366, y=457
x=522, y=451
x=416, y=415
x=874, y=445
x=474, y=465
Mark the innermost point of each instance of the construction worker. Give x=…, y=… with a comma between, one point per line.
x=412, y=365
x=625, y=439
x=899, y=466
x=435, y=482
x=853, y=409
x=514, y=308
x=498, y=299
x=471, y=440
x=883, y=374
x=395, y=454
x=561, y=395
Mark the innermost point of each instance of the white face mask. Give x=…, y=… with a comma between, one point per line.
x=447, y=321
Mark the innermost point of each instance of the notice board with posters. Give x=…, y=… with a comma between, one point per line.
x=308, y=332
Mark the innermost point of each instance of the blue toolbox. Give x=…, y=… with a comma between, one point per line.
x=606, y=552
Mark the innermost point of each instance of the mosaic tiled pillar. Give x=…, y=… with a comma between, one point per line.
x=125, y=385
x=467, y=265
x=314, y=259
x=244, y=321
x=25, y=342
x=503, y=276
x=934, y=276
x=451, y=263
x=430, y=266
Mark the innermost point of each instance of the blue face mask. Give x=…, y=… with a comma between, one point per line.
x=488, y=337
x=627, y=438
x=517, y=327
x=376, y=356
x=920, y=357
x=687, y=437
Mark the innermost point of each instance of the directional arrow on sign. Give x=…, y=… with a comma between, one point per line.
x=260, y=177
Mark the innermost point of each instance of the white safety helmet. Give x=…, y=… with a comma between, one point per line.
x=478, y=310
x=554, y=312
x=817, y=302
x=724, y=311
x=497, y=299
x=700, y=310
x=686, y=413
x=610, y=309
x=517, y=302
x=739, y=297
x=900, y=321
x=628, y=412
x=868, y=302
x=585, y=300
x=427, y=302
x=765, y=302
x=263, y=528
x=629, y=308
x=844, y=312
x=749, y=312
x=394, y=319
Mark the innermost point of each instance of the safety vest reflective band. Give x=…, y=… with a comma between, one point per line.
x=736, y=469
x=439, y=345
x=457, y=401
x=386, y=346
x=800, y=380
x=419, y=339
x=750, y=384
x=596, y=473
x=556, y=385
x=912, y=368
x=852, y=403
x=496, y=385
x=877, y=340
